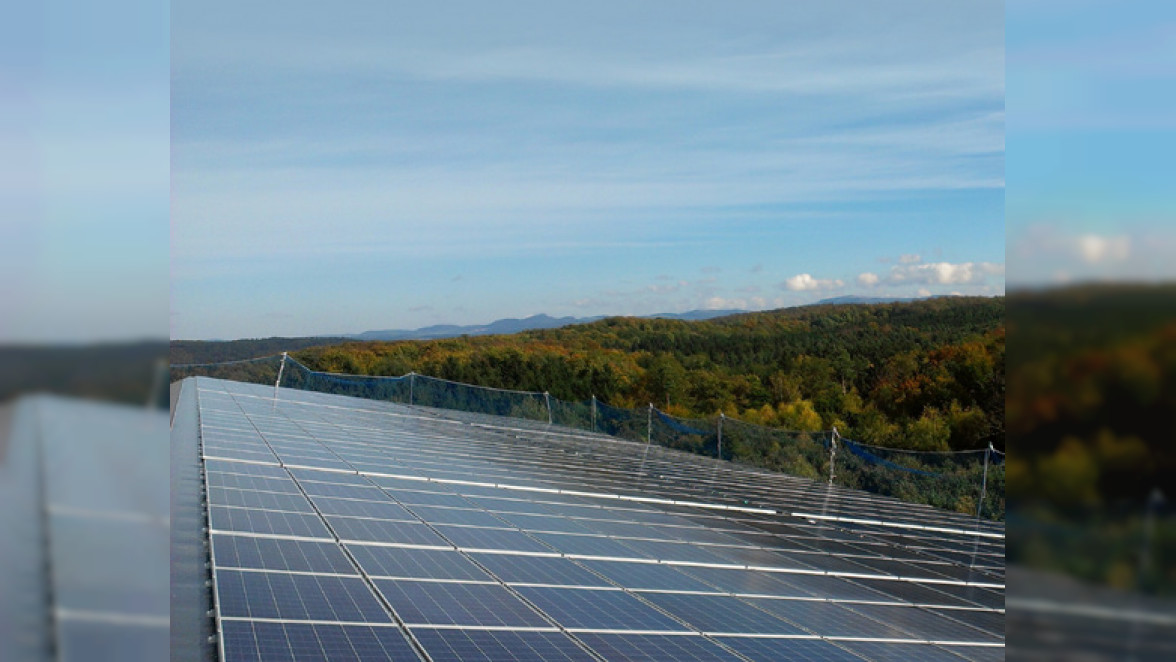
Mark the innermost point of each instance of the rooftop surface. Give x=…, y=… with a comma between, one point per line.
x=342, y=528
x=84, y=522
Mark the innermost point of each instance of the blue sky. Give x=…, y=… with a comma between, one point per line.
x=391, y=165
x=1091, y=136
x=83, y=171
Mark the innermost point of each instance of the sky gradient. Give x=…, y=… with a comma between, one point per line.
x=394, y=165
x=1091, y=135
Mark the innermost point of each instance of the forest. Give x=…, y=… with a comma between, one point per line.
x=925, y=375
x=1092, y=391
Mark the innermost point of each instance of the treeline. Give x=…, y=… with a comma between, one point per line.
x=1092, y=394
x=214, y=351
x=115, y=372
x=1092, y=391
x=926, y=375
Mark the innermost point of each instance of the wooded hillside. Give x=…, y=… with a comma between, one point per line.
x=926, y=375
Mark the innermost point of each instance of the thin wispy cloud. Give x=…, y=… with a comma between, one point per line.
x=555, y=154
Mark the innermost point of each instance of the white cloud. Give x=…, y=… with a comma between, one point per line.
x=910, y=258
x=924, y=292
x=721, y=303
x=1051, y=253
x=867, y=279
x=806, y=283
x=944, y=273
x=1094, y=248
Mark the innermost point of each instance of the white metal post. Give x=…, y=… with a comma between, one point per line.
x=832, y=452
x=648, y=436
x=984, y=482
x=594, y=412
x=547, y=397
x=719, y=453
x=278, y=383
x=411, y=388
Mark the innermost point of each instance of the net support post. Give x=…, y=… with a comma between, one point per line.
x=719, y=451
x=547, y=398
x=411, y=388
x=594, y=412
x=833, y=452
x=984, y=482
x=648, y=437
x=278, y=381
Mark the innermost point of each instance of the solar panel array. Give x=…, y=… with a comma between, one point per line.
x=353, y=529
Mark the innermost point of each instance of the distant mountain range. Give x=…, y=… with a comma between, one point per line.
x=513, y=325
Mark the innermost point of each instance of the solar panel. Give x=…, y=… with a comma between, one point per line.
x=499, y=646
x=274, y=522
x=599, y=609
x=646, y=576
x=408, y=562
x=511, y=568
x=375, y=530
x=275, y=554
x=469, y=544
x=719, y=613
x=255, y=641
x=655, y=647
x=253, y=499
x=900, y=652
x=357, y=508
x=435, y=603
x=296, y=597
x=801, y=650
